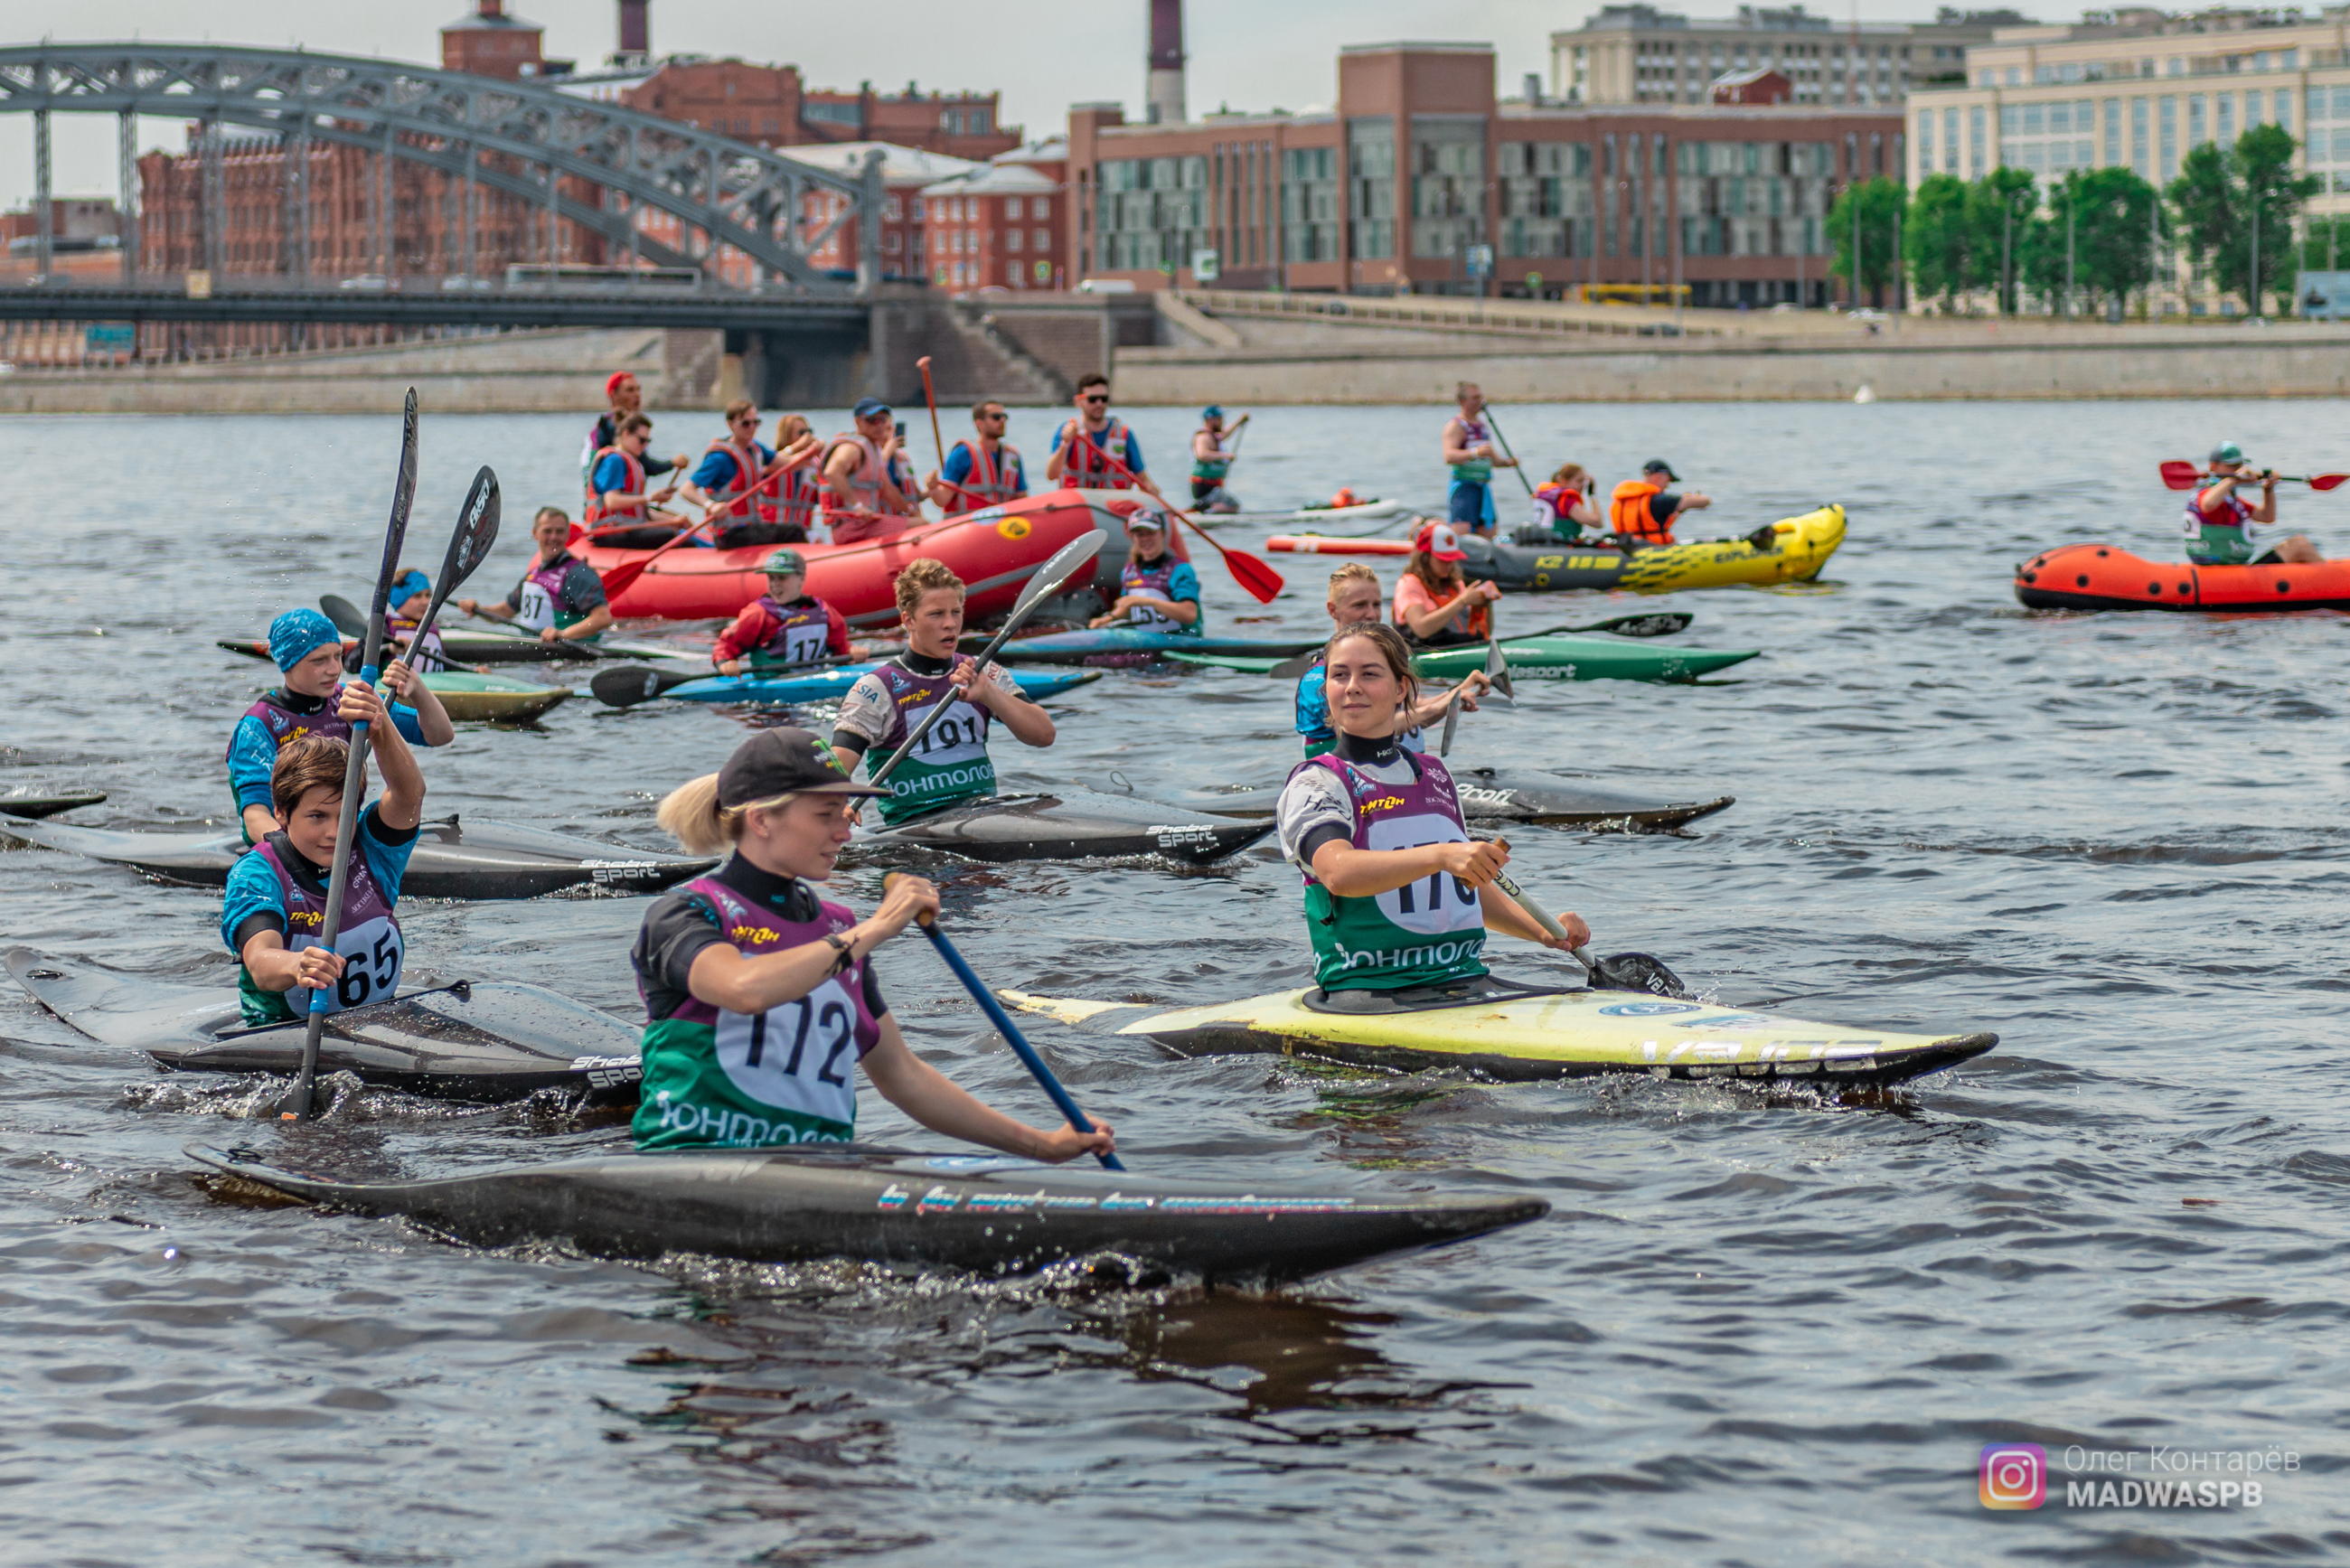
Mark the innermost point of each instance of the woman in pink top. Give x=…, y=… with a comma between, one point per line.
x=1435, y=605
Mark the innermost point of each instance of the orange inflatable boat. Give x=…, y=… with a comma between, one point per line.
x=2106, y=576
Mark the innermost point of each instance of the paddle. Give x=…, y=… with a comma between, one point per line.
x=1515, y=467
x=629, y=684
x=1049, y=576
x=469, y=546
x=1660, y=625
x=344, y=614
x=2180, y=475
x=1622, y=971
x=1262, y=583
x=616, y=580
x=1002, y=1020
x=296, y=1106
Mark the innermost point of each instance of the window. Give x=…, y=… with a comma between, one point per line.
x=1371, y=187
x=1012, y=239
x=889, y=209
x=1309, y=204
x=2169, y=139
x=1041, y=208
x=2140, y=160
x=1011, y=208
x=891, y=242
x=915, y=209
x=1040, y=239
x=2194, y=137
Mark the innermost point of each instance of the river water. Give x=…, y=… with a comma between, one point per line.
x=1755, y=1329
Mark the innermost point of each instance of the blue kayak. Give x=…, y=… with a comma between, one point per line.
x=1131, y=644
x=832, y=685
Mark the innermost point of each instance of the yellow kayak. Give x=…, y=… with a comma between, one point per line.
x=1497, y=1029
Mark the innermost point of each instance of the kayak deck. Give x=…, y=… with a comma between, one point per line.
x=1496, y=1030
x=25, y=802
x=1510, y=795
x=987, y=1214
x=832, y=685
x=1553, y=658
x=1071, y=824
x=493, y=699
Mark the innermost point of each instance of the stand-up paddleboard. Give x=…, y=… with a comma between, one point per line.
x=1511, y=795
x=26, y=801
x=481, y=1040
x=832, y=685
x=1500, y=1030
x=987, y=1214
x=453, y=859
x=1069, y=824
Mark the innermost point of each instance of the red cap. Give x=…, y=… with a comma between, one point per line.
x=612, y=382
x=1438, y=540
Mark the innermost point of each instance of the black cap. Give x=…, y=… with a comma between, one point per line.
x=1658, y=465
x=784, y=761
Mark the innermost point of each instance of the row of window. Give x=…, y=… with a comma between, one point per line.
x=2052, y=137
x=971, y=275
x=965, y=241
x=2102, y=70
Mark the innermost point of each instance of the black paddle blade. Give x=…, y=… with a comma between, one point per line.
x=631, y=684
x=477, y=530
x=403, y=498
x=1291, y=669
x=1662, y=624
x=349, y=618
x=1640, y=972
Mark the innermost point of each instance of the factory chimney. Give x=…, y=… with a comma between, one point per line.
x=1162, y=93
x=636, y=35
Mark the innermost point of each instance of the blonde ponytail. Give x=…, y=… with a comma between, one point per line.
x=691, y=814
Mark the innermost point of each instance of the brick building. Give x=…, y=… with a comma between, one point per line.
x=774, y=107
x=1004, y=224
x=1419, y=165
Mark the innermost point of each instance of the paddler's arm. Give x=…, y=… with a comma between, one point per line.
x=253, y=923
x=931, y=1098
x=2266, y=512
x=432, y=725
x=402, y=802
x=491, y=610
x=837, y=470
x=722, y=976
x=596, y=620
x=1456, y=448
x=1028, y=722
x=1352, y=872
x=274, y=969
x=1058, y=458
x=1430, y=709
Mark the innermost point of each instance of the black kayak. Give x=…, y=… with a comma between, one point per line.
x=24, y=801
x=1071, y=824
x=1511, y=795
x=987, y=1214
x=481, y=1040
x=472, y=860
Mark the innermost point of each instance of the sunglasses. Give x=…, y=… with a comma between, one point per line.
x=1100, y=399
x=999, y=417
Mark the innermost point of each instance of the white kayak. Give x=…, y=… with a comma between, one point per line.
x=1366, y=512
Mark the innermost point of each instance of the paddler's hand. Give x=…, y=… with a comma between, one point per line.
x=731, y=667
x=1474, y=862
x=1578, y=934
x=400, y=679
x=471, y=607
x=1490, y=591
x=904, y=899
x=550, y=634
x=317, y=968
x=1473, y=685
x=359, y=703
x=1067, y=1143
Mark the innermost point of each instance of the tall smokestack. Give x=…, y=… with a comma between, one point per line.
x=1162, y=93
x=636, y=32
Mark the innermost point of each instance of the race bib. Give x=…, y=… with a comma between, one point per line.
x=537, y=612
x=1148, y=618
x=800, y=1057
x=959, y=736
x=372, y=953
x=806, y=644
x=1436, y=903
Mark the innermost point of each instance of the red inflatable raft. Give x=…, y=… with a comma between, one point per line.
x=2106, y=576
x=994, y=550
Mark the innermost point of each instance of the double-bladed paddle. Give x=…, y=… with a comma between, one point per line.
x=616, y=580
x=469, y=546
x=1622, y=972
x=629, y=684
x=1004, y=1026
x=1516, y=466
x=2180, y=475
x=296, y=1106
x=1064, y=564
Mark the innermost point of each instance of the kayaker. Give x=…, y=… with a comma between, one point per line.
x=983, y=469
x=2218, y=521
x=1563, y=510
x=861, y=498
x=1642, y=512
x=626, y=398
x=1397, y=893
x=1469, y=448
x=760, y=995
x=624, y=495
x=1211, y=459
x=411, y=596
x=1156, y=591
x=1095, y=452
x=277, y=896
x=560, y=597
x=1435, y=603
x=887, y=704
x=736, y=482
x=1356, y=599
x=799, y=488
x=309, y=651
x=784, y=628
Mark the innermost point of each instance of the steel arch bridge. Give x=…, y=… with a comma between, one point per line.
x=539, y=137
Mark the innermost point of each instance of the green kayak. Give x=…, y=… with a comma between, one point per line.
x=1541, y=659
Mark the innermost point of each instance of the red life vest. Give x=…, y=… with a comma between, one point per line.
x=864, y=482
x=1088, y=466
x=801, y=489
x=992, y=481
x=741, y=502
x=597, y=511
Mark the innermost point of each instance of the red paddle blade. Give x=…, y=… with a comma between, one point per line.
x=1262, y=583
x=2327, y=481
x=616, y=580
x=2180, y=475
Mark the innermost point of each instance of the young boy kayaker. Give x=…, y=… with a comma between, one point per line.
x=309, y=652
x=411, y=596
x=275, y=905
x=888, y=704
x=785, y=627
x=761, y=1003
x=1397, y=893
x=1356, y=599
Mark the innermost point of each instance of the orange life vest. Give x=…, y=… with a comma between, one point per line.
x=597, y=511
x=993, y=479
x=864, y=481
x=1628, y=512
x=740, y=502
x=1097, y=466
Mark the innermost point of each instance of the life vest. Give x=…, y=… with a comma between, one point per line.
x=1429, y=931
x=429, y=660
x=1552, y=502
x=1628, y=512
x=715, y=1078
x=1090, y=467
x=864, y=481
x=1477, y=470
x=369, y=937
x=799, y=492
x=1216, y=467
x=1471, y=623
x=993, y=479
x=540, y=594
x=799, y=636
x=597, y=511
x=951, y=763
x=2219, y=539
x=1154, y=581
x=741, y=500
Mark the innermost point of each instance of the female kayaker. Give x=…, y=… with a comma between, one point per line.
x=1355, y=598
x=799, y=489
x=560, y=597
x=1434, y=602
x=760, y=996
x=1156, y=591
x=784, y=628
x=309, y=701
x=275, y=903
x=1397, y=893
x=887, y=705
x=1563, y=510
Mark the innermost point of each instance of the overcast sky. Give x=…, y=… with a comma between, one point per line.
x=1245, y=53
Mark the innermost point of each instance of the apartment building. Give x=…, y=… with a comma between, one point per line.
x=1637, y=54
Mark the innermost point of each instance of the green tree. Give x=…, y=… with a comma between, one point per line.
x=1999, y=208
x=1878, y=202
x=2325, y=244
x=1935, y=238
x=2108, y=250
x=2236, y=211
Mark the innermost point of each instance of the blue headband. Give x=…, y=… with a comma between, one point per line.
x=299, y=633
x=409, y=587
